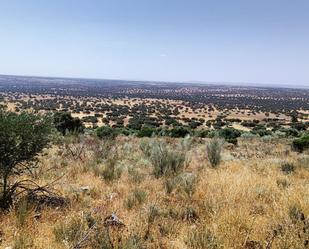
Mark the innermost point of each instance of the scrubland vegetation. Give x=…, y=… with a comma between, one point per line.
x=105, y=190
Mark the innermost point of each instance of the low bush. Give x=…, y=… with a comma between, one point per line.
x=201, y=238
x=202, y=133
x=302, y=143
x=71, y=231
x=189, y=214
x=22, y=212
x=136, y=198
x=106, y=132
x=229, y=134
x=261, y=131
x=213, y=150
x=23, y=241
x=185, y=183
x=283, y=183
x=287, y=168
x=135, y=175
x=146, y=132
x=165, y=160
x=179, y=131
x=111, y=170
x=303, y=162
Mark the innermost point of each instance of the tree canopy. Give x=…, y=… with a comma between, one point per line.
x=22, y=137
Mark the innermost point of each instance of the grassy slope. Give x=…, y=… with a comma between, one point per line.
x=247, y=198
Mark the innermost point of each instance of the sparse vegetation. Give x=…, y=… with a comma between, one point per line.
x=141, y=181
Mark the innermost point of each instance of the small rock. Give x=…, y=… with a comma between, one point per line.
x=84, y=189
x=113, y=220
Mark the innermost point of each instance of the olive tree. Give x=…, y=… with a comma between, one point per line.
x=22, y=137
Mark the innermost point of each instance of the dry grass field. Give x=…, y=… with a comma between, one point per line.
x=256, y=197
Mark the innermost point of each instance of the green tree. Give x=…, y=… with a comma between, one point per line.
x=146, y=132
x=106, y=132
x=179, y=131
x=302, y=143
x=64, y=122
x=229, y=134
x=22, y=137
x=294, y=118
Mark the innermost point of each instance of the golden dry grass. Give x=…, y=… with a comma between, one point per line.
x=245, y=201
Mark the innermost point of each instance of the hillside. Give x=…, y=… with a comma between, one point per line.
x=256, y=197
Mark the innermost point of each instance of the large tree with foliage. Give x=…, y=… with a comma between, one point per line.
x=22, y=137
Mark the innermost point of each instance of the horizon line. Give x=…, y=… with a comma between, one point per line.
x=225, y=83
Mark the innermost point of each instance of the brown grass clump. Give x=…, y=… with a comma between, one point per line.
x=256, y=198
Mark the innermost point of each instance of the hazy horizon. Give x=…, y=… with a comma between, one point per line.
x=249, y=84
x=232, y=42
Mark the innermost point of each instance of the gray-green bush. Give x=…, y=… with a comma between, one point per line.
x=213, y=150
x=164, y=159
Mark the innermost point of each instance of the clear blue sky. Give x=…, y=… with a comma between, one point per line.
x=264, y=41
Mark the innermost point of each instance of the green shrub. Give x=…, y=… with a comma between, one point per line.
x=289, y=132
x=213, y=150
x=111, y=171
x=165, y=161
x=189, y=214
x=146, y=146
x=188, y=184
x=229, y=134
x=65, y=123
x=287, y=167
x=202, y=133
x=22, y=138
x=260, y=130
x=146, y=132
x=184, y=183
x=170, y=184
x=105, y=132
x=153, y=212
x=124, y=131
x=179, y=131
x=301, y=144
